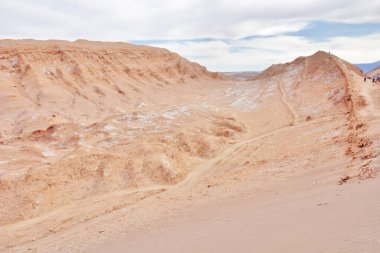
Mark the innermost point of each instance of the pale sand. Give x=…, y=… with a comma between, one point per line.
x=294, y=216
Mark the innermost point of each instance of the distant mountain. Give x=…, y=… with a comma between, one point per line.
x=374, y=72
x=368, y=66
x=245, y=75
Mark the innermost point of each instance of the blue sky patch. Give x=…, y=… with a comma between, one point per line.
x=323, y=30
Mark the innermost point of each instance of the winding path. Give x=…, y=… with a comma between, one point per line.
x=90, y=208
x=284, y=100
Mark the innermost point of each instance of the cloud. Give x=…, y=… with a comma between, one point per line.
x=221, y=34
x=260, y=52
x=173, y=19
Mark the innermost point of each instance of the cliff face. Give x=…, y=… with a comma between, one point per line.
x=84, y=81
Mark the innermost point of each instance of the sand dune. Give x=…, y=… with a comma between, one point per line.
x=112, y=142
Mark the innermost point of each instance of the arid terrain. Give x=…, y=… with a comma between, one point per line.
x=242, y=76
x=374, y=73
x=112, y=147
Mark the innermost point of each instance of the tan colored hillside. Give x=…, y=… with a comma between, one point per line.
x=374, y=73
x=107, y=141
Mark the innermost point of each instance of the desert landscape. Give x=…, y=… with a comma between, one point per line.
x=115, y=147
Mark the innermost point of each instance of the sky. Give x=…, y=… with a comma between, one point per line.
x=223, y=35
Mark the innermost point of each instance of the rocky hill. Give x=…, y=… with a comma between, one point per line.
x=81, y=118
x=84, y=81
x=374, y=73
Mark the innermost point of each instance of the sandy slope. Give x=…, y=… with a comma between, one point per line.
x=191, y=160
x=294, y=216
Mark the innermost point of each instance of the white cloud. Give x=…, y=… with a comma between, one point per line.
x=171, y=19
x=124, y=20
x=259, y=53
